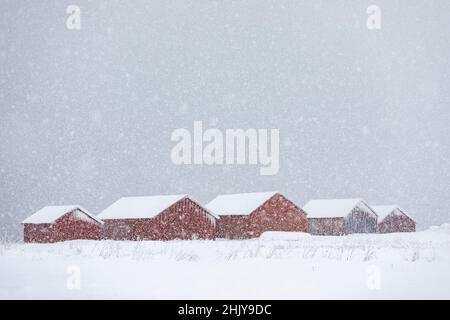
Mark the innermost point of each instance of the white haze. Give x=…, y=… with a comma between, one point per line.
x=86, y=116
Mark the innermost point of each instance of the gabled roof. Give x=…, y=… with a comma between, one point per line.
x=331, y=208
x=50, y=214
x=238, y=203
x=140, y=207
x=384, y=211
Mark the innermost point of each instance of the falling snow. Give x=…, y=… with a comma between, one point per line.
x=86, y=115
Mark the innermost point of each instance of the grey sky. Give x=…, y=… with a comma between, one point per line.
x=86, y=116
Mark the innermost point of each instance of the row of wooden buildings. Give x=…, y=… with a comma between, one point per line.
x=231, y=216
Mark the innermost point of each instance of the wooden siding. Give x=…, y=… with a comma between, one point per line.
x=276, y=214
x=183, y=220
x=326, y=226
x=67, y=227
x=361, y=220
x=397, y=223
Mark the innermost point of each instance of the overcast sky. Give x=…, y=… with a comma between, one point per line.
x=86, y=115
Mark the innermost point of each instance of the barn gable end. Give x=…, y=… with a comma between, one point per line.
x=61, y=223
x=248, y=215
x=394, y=219
x=362, y=219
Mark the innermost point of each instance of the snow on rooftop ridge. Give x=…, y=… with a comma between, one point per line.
x=385, y=210
x=142, y=207
x=238, y=203
x=50, y=214
x=331, y=208
x=139, y=207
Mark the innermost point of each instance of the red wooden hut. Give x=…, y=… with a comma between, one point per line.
x=60, y=223
x=340, y=217
x=248, y=215
x=166, y=217
x=393, y=219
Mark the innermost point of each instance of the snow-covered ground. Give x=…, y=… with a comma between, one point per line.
x=276, y=266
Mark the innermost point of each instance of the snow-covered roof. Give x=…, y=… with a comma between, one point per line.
x=384, y=211
x=50, y=214
x=238, y=203
x=140, y=207
x=331, y=208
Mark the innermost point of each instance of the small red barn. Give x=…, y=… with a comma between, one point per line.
x=393, y=219
x=248, y=215
x=340, y=217
x=60, y=223
x=166, y=217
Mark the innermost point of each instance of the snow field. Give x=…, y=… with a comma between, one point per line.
x=275, y=266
